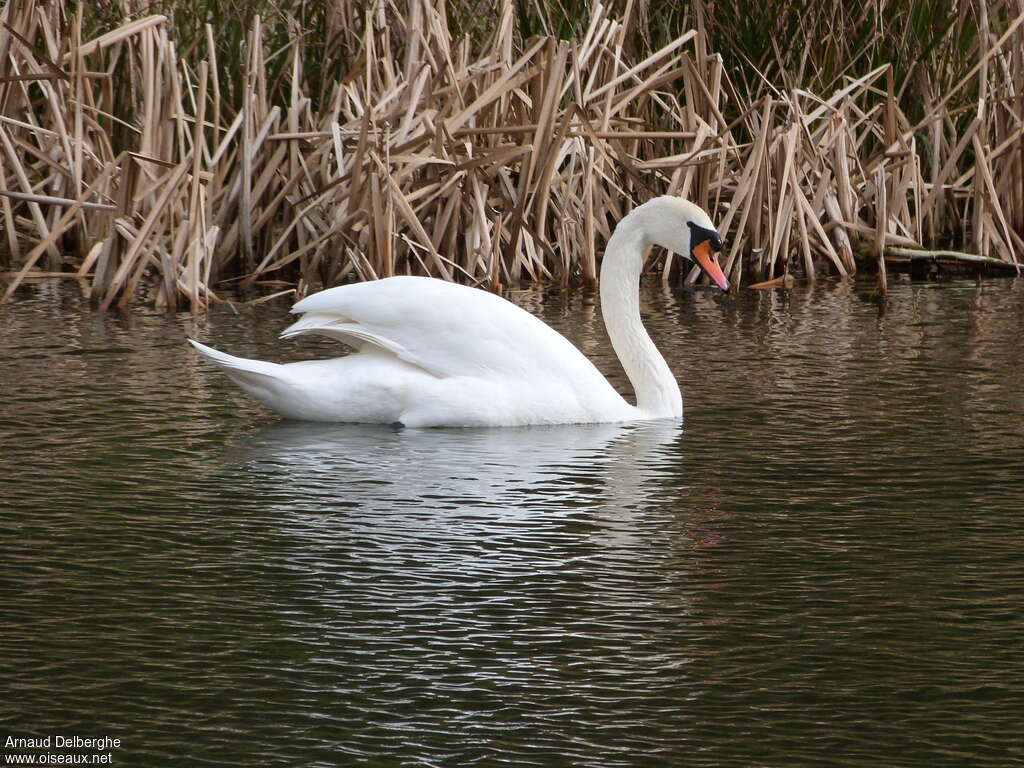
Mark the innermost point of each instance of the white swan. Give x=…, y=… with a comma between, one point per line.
x=433, y=353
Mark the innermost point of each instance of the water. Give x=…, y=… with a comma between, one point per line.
x=822, y=567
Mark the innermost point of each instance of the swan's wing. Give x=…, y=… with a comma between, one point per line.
x=445, y=329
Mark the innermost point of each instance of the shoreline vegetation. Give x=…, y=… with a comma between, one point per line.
x=164, y=152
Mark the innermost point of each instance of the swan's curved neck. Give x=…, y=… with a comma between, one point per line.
x=657, y=392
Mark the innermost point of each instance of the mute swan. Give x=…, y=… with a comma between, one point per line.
x=433, y=353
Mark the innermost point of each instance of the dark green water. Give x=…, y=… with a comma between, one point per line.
x=824, y=566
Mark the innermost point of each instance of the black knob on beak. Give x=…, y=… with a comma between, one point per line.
x=699, y=234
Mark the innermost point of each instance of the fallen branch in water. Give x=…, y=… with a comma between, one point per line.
x=912, y=254
x=782, y=281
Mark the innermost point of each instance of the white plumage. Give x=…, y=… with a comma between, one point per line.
x=434, y=353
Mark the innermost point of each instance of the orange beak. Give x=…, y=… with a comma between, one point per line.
x=708, y=261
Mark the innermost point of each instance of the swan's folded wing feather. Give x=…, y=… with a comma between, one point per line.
x=444, y=328
x=353, y=334
x=242, y=365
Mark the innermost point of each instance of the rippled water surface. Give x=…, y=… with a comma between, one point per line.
x=823, y=566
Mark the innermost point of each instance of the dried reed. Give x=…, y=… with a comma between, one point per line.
x=155, y=168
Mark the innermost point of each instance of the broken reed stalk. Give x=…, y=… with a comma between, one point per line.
x=881, y=217
x=156, y=167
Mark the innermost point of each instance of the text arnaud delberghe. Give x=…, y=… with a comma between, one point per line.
x=62, y=742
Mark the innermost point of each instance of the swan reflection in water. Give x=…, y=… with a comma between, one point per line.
x=477, y=568
x=475, y=478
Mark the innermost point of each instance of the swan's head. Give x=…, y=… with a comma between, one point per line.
x=686, y=229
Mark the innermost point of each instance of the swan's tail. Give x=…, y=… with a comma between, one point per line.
x=264, y=381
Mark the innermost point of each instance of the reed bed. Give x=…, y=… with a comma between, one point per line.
x=492, y=143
